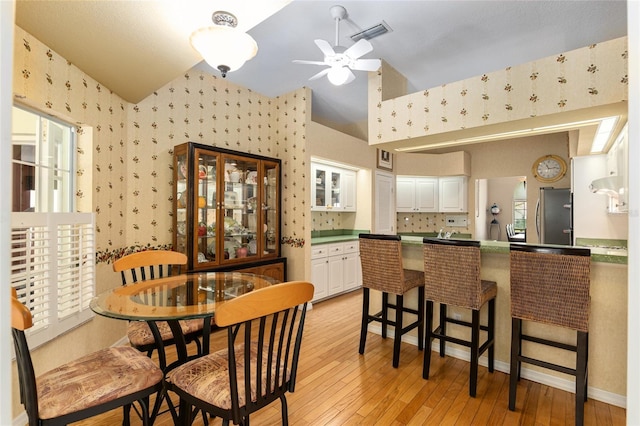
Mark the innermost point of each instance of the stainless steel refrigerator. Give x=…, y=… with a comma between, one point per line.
x=554, y=216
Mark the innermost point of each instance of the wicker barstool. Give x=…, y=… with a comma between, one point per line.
x=381, y=258
x=550, y=286
x=452, y=277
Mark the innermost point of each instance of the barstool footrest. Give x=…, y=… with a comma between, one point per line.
x=559, y=345
x=549, y=365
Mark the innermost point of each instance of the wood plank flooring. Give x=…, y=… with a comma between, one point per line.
x=337, y=386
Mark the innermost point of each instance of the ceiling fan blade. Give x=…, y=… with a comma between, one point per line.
x=351, y=77
x=325, y=47
x=362, y=47
x=300, y=61
x=366, y=65
x=320, y=74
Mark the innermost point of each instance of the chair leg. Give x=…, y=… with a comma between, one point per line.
x=426, y=364
x=365, y=319
x=385, y=310
x=581, y=375
x=398, y=330
x=516, y=325
x=443, y=328
x=492, y=332
x=285, y=412
x=474, y=352
x=420, y=318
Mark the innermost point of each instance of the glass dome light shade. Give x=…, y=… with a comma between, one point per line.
x=338, y=75
x=222, y=46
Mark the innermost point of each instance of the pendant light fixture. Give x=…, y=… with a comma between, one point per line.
x=222, y=45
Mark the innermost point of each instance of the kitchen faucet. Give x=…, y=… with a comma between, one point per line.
x=440, y=233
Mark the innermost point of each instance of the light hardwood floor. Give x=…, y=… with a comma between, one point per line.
x=337, y=386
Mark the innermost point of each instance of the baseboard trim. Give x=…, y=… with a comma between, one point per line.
x=533, y=375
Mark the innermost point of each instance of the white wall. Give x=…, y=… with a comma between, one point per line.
x=633, y=339
x=7, y=11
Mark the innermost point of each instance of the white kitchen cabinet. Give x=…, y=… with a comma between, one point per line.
x=452, y=194
x=416, y=194
x=332, y=188
x=335, y=268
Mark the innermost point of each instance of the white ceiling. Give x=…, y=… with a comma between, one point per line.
x=135, y=47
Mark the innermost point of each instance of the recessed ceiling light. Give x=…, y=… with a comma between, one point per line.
x=603, y=134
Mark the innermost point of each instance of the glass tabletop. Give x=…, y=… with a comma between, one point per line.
x=186, y=296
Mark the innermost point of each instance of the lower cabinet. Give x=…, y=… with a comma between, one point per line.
x=276, y=269
x=335, y=268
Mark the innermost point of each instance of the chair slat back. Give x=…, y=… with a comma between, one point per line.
x=264, y=338
x=452, y=272
x=149, y=264
x=551, y=285
x=381, y=259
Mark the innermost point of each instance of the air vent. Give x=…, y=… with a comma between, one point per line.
x=372, y=32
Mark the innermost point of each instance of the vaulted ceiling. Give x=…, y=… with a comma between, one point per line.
x=135, y=47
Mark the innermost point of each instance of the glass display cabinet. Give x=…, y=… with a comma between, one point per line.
x=226, y=213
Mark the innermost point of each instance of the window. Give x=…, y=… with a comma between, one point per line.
x=43, y=153
x=52, y=247
x=520, y=207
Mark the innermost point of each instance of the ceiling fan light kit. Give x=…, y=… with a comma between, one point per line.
x=340, y=60
x=223, y=46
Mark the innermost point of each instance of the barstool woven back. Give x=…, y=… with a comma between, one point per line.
x=551, y=287
x=452, y=271
x=381, y=259
x=382, y=270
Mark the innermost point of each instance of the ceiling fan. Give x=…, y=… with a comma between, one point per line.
x=340, y=60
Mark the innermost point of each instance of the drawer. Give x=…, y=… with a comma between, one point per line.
x=335, y=249
x=319, y=252
x=351, y=246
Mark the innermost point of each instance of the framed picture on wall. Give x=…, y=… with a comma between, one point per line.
x=385, y=160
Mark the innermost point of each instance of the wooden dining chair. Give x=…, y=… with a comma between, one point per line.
x=93, y=384
x=149, y=265
x=259, y=365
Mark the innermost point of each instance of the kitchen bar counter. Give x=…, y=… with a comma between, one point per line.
x=607, y=323
x=598, y=254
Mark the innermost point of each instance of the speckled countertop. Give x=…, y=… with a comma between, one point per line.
x=598, y=254
x=613, y=253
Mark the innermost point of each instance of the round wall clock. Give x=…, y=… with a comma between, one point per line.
x=549, y=168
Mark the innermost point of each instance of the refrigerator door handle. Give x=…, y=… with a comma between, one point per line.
x=538, y=219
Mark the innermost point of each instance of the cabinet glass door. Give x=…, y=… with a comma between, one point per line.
x=182, y=180
x=240, y=208
x=205, y=205
x=270, y=213
x=335, y=190
x=320, y=185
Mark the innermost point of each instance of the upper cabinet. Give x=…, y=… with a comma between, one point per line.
x=226, y=207
x=332, y=188
x=416, y=194
x=452, y=194
x=431, y=194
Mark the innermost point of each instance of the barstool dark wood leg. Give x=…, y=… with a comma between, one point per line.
x=443, y=327
x=385, y=310
x=420, y=318
x=365, y=319
x=581, y=375
x=398, y=330
x=514, y=368
x=426, y=364
x=491, y=332
x=474, y=352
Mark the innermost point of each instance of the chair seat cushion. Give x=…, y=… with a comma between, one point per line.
x=207, y=377
x=95, y=379
x=139, y=333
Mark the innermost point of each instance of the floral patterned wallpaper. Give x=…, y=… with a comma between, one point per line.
x=587, y=77
x=125, y=156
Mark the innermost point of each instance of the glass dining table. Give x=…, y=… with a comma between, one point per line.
x=180, y=297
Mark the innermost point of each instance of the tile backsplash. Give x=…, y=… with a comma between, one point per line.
x=327, y=221
x=425, y=222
